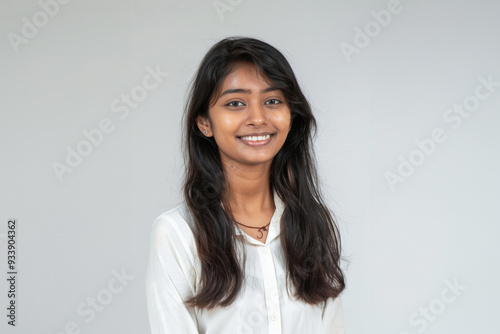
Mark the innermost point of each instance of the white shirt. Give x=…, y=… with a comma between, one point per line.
x=263, y=305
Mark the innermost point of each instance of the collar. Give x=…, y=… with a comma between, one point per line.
x=274, y=227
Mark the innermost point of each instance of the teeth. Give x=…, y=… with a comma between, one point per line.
x=256, y=138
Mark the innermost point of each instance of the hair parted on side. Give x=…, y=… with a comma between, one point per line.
x=309, y=235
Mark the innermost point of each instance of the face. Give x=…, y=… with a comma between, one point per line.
x=249, y=121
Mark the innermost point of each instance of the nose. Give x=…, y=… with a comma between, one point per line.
x=256, y=115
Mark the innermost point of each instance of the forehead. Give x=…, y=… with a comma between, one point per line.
x=245, y=74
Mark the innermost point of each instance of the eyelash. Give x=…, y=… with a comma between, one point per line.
x=231, y=104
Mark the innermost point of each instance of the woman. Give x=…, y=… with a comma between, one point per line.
x=253, y=248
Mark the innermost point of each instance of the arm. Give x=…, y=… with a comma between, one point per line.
x=333, y=316
x=169, y=281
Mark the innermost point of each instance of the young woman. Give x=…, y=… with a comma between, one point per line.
x=253, y=248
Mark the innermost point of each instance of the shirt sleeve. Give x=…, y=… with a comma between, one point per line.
x=333, y=317
x=169, y=280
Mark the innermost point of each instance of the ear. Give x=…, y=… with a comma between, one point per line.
x=204, y=125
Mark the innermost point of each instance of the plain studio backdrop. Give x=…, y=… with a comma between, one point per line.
x=406, y=95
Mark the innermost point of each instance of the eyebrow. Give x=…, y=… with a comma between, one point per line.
x=247, y=91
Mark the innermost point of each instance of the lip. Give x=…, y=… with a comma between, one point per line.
x=257, y=134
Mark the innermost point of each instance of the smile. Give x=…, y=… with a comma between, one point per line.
x=256, y=138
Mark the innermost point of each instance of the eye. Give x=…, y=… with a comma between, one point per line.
x=273, y=101
x=235, y=104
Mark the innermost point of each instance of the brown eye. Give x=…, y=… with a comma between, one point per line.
x=235, y=104
x=273, y=101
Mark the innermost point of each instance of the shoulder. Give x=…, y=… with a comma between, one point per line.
x=175, y=225
x=173, y=256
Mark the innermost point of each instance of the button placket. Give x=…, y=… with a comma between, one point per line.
x=270, y=286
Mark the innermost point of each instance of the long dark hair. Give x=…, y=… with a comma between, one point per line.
x=309, y=235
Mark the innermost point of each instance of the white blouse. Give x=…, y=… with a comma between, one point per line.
x=263, y=305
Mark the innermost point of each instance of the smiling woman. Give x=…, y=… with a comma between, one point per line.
x=253, y=248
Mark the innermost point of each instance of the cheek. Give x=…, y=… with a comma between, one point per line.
x=225, y=123
x=282, y=120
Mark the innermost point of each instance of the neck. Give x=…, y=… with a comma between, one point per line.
x=248, y=189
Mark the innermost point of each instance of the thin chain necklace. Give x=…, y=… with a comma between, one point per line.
x=260, y=229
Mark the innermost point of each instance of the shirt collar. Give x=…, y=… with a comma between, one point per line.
x=274, y=227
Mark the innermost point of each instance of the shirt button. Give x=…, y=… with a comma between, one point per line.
x=264, y=250
x=274, y=317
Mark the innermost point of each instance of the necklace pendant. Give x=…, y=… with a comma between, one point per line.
x=260, y=235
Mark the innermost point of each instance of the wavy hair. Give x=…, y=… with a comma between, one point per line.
x=309, y=235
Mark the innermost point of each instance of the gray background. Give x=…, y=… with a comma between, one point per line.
x=404, y=243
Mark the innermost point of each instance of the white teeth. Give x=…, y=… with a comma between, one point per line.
x=256, y=138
